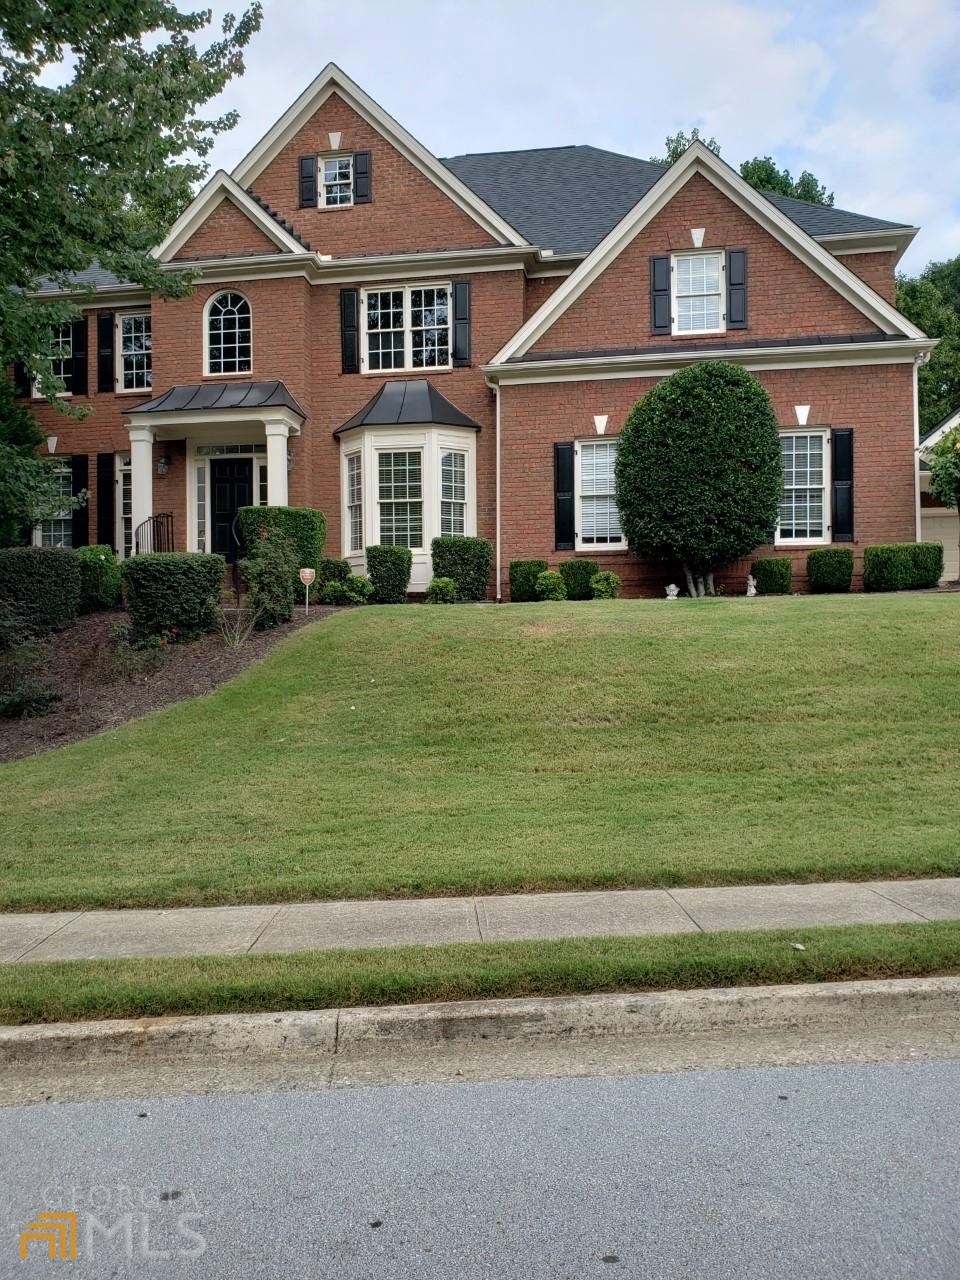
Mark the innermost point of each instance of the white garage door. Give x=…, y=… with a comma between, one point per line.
x=943, y=526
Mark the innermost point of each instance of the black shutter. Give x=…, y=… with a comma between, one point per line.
x=563, y=496
x=736, y=288
x=308, y=182
x=79, y=466
x=105, y=375
x=349, y=330
x=660, y=295
x=78, y=344
x=106, y=500
x=362, y=178
x=841, y=439
x=461, y=324
x=21, y=380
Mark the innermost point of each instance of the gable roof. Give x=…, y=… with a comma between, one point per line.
x=698, y=159
x=568, y=198
x=222, y=187
x=332, y=80
x=937, y=433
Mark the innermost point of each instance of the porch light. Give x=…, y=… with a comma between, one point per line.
x=163, y=464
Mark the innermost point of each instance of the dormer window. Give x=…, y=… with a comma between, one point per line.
x=336, y=181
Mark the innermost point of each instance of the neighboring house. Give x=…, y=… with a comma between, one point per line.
x=423, y=347
x=939, y=523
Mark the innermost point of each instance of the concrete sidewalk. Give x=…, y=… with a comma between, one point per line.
x=72, y=935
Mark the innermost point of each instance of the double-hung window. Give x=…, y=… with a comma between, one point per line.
x=453, y=494
x=598, y=520
x=136, y=367
x=60, y=358
x=406, y=328
x=804, y=456
x=58, y=531
x=400, y=494
x=698, y=286
x=355, y=501
x=336, y=181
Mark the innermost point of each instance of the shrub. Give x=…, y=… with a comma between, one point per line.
x=27, y=698
x=42, y=585
x=99, y=578
x=577, y=575
x=173, y=594
x=331, y=571
x=902, y=566
x=442, y=591
x=15, y=628
x=389, y=570
x=927, y=563
x=269, y=574
x=354, y=589
x=305, y=527
x=523, y=579
x=830, y=569
x=772, y=575
x=466, y=561
x=605, y=585
x=550, y=586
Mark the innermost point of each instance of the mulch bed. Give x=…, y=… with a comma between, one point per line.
x=100, y=690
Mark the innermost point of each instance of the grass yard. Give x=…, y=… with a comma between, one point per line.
x=74, y=990
x=414, y=751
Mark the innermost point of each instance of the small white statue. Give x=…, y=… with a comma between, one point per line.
x=751, y=585
x=672, y=591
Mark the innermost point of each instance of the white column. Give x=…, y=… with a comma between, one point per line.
x=141, y=474
x=277, y=434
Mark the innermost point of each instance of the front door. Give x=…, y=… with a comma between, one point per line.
x=231, y=486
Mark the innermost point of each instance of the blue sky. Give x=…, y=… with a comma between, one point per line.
x=864, y=93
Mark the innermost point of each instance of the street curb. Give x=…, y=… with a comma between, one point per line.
x=370, y=1032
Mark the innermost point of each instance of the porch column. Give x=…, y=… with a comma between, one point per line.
x=278, y=432
x=141, y=475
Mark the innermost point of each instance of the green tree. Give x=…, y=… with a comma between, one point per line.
x=677, y=143
x=944, y=460
x=762, y=173
x=95, y=168
x=931, y=307
x=698, y=470
x=29, y=491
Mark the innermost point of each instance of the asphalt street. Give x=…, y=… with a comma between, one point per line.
x=846, y=1172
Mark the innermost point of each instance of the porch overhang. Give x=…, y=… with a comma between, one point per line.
x=217, y=405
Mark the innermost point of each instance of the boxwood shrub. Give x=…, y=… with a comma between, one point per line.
x=605, y=585
x=42, y=585
x=577, y=575
x=442, y=591
x=772, y=575
x=466, y=561
x=830, y=569
x=927, y=563
x=355, y=588
x=389, y=570
x=902, y=566
x=550, y=586
x=269, y=574
x=331, y=571
x=99, y=578
x=523, y=579
x=305, y=527
x=174, y=594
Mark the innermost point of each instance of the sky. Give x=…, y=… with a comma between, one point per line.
x=865, y=93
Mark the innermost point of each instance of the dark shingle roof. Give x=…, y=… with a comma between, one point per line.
x=568, y=198
x=96, y=276
x=738, y=344
x=414, y=400
x=221, y=395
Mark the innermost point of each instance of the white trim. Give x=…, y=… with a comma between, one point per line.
x=889, y=240
x=721, y=327
x=826, y=538
x=939, y=432
x=332, y=80
x=323, y=156
x=118, y=386
x=697, y=159
x=222, y=187
x=408, y=366
x=220, y=373
x=591, y=548
x=177, y=423
x=244, y=436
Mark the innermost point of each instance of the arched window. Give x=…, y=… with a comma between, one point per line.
x=228, y=334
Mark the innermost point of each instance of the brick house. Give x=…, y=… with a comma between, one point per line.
x=418, y=347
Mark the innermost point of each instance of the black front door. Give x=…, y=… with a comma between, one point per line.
x=231, y=485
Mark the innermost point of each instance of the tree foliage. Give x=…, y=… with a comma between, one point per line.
x=94, y=168
x=677, y=143
x=932, y=301
x=29, y=490
x=762, y=173
x=698, y=470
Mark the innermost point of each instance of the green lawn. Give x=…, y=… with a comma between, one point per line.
x=73, y=990
x=411, y=751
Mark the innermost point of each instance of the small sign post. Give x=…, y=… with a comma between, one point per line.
x=306, y=577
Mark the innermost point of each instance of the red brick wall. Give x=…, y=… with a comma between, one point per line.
x=876, y=401
x=538, y=291
x=407, y=212
x=227, y=231
x=784, y=297
x=878, y=270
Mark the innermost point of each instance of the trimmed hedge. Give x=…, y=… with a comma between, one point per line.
x=305, y=527
x=442, y=591
x=830, y=569
x=605, y=585
x=41, y=585
x=356, y=588
x=332, y=571
x=99, y=578
x=550, y=586
x=269, y=574
x=523, y=579
x=466, y=561
x=772, y=575
x=577, y=576
x=175, y=594
x=902, y=566
x=389, y=570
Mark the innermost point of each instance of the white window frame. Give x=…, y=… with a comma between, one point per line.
x=35, y=392
x=220, y=373
x=458, y=506
x=599, y=548
x=381, y=502
x=352, y=460
x=63, y=467
x=124, y=481
x=827, y=537
x=322, y=185
x=407, y=290
x=122, y=389
x=674, y=305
